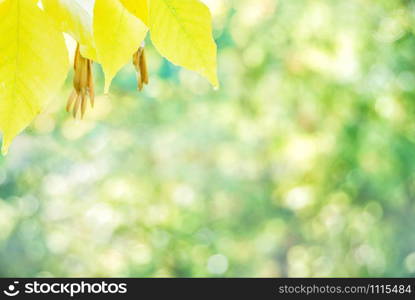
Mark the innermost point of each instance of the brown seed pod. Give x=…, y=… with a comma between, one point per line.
x=83, y=83
x=91, y=88
x=140, y=64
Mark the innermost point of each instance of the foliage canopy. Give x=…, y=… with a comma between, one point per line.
x=34, y=59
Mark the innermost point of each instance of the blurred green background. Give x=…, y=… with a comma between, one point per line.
x=301, y=164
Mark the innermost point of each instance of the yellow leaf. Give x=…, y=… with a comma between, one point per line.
x=138, y=8
x=181, y=30
x=33, y=64
x=118, y=34
x=72, y=18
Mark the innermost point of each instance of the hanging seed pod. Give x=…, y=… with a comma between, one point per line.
x=140, y=64
x=83, y=83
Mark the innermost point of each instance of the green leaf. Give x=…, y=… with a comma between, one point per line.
x=139, y=8
x=33, y=64
x=118, y=34
x=71, y=17
x=181, y=30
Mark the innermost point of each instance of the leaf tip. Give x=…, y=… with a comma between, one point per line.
x=214, y=81
x=5, y=148
x=107, y=87
x=108, y=80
